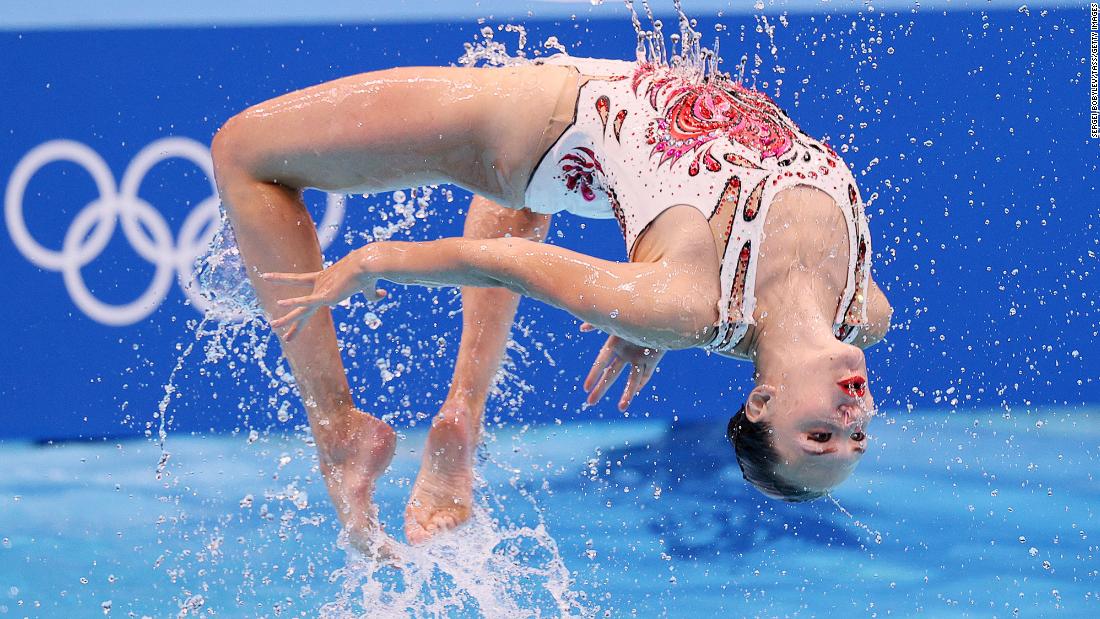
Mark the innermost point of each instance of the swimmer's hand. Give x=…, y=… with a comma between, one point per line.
x=616, y=354
x=329, y=287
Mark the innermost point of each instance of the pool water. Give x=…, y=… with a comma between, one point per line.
x=951, y=514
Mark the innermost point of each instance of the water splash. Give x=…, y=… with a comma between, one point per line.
x=874, y=534
x=492, y=567
x=688, y=56
x=488, y=52
x=222, y=280
x=483, y=569
x=683, y=51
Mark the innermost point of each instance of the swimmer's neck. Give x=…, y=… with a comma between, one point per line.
x=793, y=315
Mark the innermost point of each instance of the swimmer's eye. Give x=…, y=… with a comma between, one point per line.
x=859, y=437
x=821, y=437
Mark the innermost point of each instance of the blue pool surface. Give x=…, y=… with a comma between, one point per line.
x=975, y=515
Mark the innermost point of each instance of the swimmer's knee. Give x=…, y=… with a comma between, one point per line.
x=226, y=149
x=238, y=148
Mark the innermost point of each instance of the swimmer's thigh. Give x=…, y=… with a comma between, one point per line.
x=397, y=128
x=534, y=107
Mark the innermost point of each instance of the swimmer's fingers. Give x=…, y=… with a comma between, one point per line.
x=295, y=318
x=647, y=373
x=306, y=301
x=290, y=333
x=293, y=330
x=633, y=385
x=299, y=279
x=587, y=327
x=288, y=317
x=639, y=376
x=610, y=375
x=606, y=356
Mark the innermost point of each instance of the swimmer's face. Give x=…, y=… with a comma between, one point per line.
x=818, y=410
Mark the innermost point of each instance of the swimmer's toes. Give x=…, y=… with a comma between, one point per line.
x=444, y=522
x=422, y=525
x=415, y=533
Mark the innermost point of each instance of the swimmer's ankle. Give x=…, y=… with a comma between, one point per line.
x=457, y=411
x=470, y=399
x=343, y=435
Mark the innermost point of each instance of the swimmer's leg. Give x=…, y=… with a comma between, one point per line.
x=443, y=493
x=274, y=231
x=403, y=127
x=375, y=131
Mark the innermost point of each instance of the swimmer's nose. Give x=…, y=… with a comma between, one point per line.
x=853, y=414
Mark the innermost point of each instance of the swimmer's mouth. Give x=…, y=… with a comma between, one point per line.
x=854, y=386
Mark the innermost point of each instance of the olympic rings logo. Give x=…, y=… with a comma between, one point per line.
x=143, y=226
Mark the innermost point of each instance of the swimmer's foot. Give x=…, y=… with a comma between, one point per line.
x=355, y=451
x=443, y=492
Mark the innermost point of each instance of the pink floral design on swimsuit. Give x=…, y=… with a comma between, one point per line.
x=693, y=115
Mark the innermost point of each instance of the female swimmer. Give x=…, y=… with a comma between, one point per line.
x=745, y=237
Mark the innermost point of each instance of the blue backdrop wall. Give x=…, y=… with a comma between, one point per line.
x=968, y=131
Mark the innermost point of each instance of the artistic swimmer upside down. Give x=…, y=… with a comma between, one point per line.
x=745, y=237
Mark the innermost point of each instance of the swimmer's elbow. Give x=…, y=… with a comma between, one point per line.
x=876, y=331
x=887, y=321
x=690, y=322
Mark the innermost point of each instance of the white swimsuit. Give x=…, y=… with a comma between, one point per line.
x=644, y=139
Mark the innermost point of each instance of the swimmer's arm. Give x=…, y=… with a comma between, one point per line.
x=665, y=305
x=652, y=304
x=879, y=314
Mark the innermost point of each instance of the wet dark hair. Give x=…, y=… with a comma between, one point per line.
x=752, y=442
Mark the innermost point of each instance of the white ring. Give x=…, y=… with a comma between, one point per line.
x=28, y=166
x=129, y=313
x=143, y=226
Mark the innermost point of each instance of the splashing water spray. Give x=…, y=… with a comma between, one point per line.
x=493, y=566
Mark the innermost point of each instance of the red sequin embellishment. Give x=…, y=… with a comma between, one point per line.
x=853, y=199
x=740, y=161
x=603, y=108
x=721, y=220
x=752, y=205
x=617, y=127
x=692, y=115
x=735, y=309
